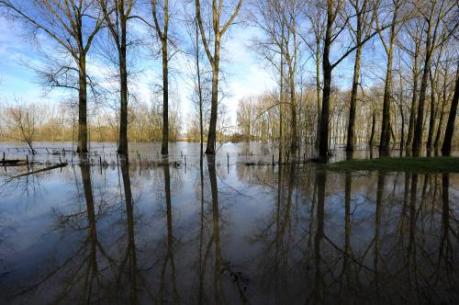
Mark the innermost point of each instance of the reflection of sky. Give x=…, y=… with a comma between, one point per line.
x=32, y=241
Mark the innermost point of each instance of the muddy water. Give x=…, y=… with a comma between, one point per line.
x=218, y=232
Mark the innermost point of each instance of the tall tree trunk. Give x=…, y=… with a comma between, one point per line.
x=355, y=84
x=449, y=132
x=417, y=141
x=281, y=112
x=163, y=36
x=212, y=135
x=327, y=75
x=384, y=144
x=442, y=115
x=433, y=116
x=123, y=141
x=82, y=146
x=412, y=121
x=294, y=143
x=384, y=141
x=214, y=60
x=372, y=134
x=402, y=130
x=198, y=74
x=165, y=137
x=318, y=91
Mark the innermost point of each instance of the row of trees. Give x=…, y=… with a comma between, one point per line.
x=416, y=38
x=29, y=122
x=74, y=25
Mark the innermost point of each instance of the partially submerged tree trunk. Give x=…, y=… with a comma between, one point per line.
x=362, y=26
x=415, y=73
x=162, y=32
x=442, y=112
x=116, y=17
x=65, y=23
x=449, y=132
x=372, y=133
x=214, y=59
x=384, y=142
x=353, y=102
x=82, y=146
x=327, y=75
x=433, y=115
x=436, y=14
x=417, y=141
x=123, y=140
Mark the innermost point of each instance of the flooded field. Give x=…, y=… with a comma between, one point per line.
x=219, y=231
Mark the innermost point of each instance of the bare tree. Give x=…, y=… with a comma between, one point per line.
x=116, y=15
x=435, y=15
x=21, y=122
x=332, y=32
x=363, y=12
x=384, y=143
x=413, y=31
x=317, y=24
x=219, y=28
x=72, y=24
x=279, y=22
x=162, y=32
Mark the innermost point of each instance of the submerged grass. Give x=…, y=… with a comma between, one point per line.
x=406, y=164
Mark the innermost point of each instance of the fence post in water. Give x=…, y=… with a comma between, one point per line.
x=100, y=161
x=227, y=159
x=304, y=157
x=273, y=160
x=27, y=159
x=3, y=156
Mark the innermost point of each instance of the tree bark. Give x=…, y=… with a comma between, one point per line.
x=353, y=103
x=123, y=141
x=417, y=141
x=294, y=143
x=212, y=134
x=165, y=138
x=384, y=144
x=327, y=75
x=442, y=114
x=433, y=116
x=163, y=37
x=384, y=141
x=413, y=100
x=82, y=146
x=372, y=134
x=449, y=132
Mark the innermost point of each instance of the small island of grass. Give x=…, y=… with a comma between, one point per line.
x=406, y=164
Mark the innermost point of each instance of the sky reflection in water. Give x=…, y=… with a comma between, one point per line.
x=236, y=234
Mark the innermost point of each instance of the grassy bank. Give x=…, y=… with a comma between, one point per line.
x=425, y=164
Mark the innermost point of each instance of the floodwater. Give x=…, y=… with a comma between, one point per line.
x=222, y=232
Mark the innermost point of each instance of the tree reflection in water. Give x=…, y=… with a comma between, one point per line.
x=289, y=234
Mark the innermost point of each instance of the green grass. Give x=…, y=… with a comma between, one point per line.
x=408, y=164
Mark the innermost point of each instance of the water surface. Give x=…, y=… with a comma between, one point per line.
x=222, y=232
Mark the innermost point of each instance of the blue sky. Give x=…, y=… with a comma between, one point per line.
x=246, y=74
